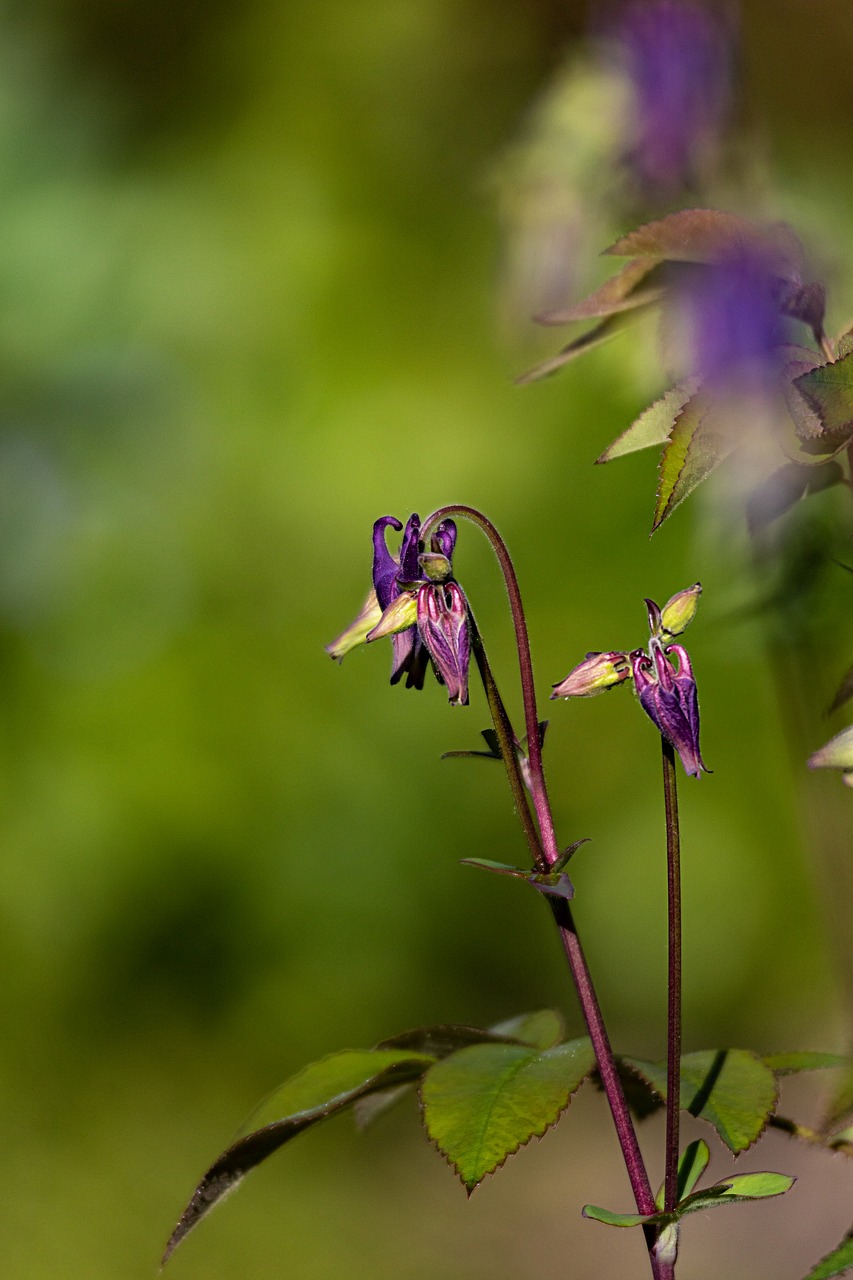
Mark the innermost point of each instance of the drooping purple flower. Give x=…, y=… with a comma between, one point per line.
x=668, y=696
x=736, y=323
x=677, y=58
x=446, y=634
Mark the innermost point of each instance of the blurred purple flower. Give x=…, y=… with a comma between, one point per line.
x=677, y=58
x=734, y=309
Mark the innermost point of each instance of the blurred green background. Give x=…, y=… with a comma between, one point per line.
x=256, y=290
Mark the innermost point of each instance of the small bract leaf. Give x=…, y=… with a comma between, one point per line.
x=837, y=1263
x=730, y=1088
x=742, y=1187
x=485, y=1102
x=697, y=445
x=321, y=1090
x=787, y=1064
x=611, y=1219
x=554, y=884
x=542, y=1029
x=654, y=424
x=691, y=1165
x=621, y=292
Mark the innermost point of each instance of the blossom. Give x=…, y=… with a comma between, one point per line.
x=418, y=604
x=666, y=691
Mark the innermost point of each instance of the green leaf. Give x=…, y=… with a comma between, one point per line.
x=787, y=1064
x=321, y=1090
x=730, y=1088
x=619, y=1219
x=844, y=345
x=829, y=391
x=697, y=445
x=837, y=1263
x=705, y=235
x=542, y=1029
x=485, y=1102
x=692, y=1163
x=621, y=292
x=653, y=425
x=737, y=1190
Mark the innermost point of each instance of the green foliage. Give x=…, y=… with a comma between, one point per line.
x=555, y=884
x=692, y=1163
x=735, y=1190
x=730, y=1088
x=829, y=389
x=697, y=444
x=654, y=425
x=837, y=1263
x=485, y=1102
x=786, y=1064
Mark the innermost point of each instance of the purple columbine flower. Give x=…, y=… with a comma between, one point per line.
x=677, y=58
x=416, y=601
x=734, y=310
x=667, y=694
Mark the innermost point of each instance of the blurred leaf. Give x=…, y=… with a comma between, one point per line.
x=592, y=338
x=485, y=1102
x=784, y=488
x=742, y=1187
x=807, y=302
x=840, y=1105
x=696, y=446
x=837, y=1263
x=786, y=1064
x=730, y=1088
x=619, y=293
x=654, y=424
x=829, y=390
x=317, y=1092
x=844, y=345
x=542, y=1029
x=704, y=235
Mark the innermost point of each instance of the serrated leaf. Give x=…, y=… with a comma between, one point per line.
x=705, y=235
x=787, y=1064
x=592, y=338
x=837, y=1263
x=542, y=1029
x=317, y=1092
x=621, y=292
x=829, y=391
x=485, y=1102
x=653, y=425
x=737, y=1190
x=730, y=1088
x=696, y=446
x=844, y=345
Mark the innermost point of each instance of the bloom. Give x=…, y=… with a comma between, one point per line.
x=416, y=601
x=666, y=692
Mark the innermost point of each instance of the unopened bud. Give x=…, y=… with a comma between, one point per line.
x=357, y=631
x=401, y=614
x=679, y=612
x=597, y=672
x=436, y=567
x=836, y=754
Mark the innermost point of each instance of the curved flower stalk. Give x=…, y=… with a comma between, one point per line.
x=666, y=692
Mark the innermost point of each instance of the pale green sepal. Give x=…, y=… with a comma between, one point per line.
x=835, y=754
x=401, y=614
x=356, y=632
x=679, y=612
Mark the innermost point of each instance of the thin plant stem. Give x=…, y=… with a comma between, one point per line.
x=548, y=850
x=673, y=1038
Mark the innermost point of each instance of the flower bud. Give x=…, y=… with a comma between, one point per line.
x=597, y=672
x=442, y=613
x=669, y=699
x=436, y=567
x=679, y=612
